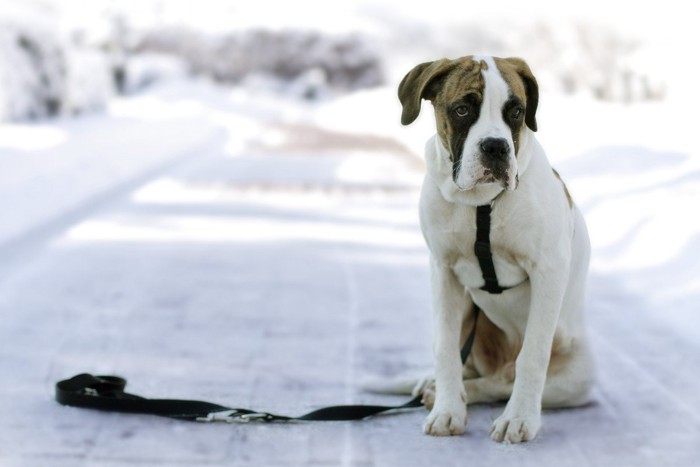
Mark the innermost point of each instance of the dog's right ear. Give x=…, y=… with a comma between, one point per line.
x=420, y=83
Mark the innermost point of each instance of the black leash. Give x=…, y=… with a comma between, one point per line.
x=107, y=393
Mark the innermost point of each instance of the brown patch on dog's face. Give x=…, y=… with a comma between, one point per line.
x=522, y=105
x=523, y=86
x=455, y=88
x=458, y=104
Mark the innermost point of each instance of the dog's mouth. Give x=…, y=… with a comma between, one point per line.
x=498, y=174
x=487, y=177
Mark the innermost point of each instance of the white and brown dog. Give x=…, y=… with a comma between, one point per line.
x=530, y=346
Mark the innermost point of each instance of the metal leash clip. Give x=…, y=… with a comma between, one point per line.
x=232, y=416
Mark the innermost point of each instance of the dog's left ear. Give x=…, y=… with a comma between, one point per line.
x=531, y=90
x=419, y=84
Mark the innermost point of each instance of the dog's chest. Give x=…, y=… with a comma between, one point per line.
x=451, y=233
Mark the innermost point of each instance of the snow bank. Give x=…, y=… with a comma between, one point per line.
x=52, y=170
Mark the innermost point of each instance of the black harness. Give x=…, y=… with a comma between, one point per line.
x=482, y=249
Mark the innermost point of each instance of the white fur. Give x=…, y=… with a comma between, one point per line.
x=539, y=242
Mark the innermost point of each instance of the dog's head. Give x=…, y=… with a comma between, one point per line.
x=483, y=106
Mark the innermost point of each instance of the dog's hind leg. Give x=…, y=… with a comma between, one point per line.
x=570, y=377
x=568, y=383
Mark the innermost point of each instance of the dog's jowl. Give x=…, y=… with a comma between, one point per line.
x=531, y=347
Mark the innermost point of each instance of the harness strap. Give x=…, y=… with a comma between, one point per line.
x=482, y=249
x=106, y=393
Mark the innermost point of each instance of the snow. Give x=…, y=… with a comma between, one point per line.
x=209, y=247
x=145, y=69
x=89, y=81
x=240, y=246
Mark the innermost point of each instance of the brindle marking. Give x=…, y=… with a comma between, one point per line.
x=522, y=84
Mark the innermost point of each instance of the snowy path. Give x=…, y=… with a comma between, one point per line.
x=277, y=279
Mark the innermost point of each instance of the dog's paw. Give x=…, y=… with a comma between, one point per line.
x=445, y=423
x=515, y=428
x=422, y=384
x=429, y=396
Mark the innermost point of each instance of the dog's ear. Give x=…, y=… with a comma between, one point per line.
x=531, y=90
x=420, y=83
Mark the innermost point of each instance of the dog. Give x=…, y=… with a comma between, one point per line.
x=530, y=346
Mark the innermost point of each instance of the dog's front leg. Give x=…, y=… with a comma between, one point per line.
x=522, y=417
x=450, y=300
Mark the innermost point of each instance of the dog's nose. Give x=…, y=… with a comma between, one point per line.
x=495, y=147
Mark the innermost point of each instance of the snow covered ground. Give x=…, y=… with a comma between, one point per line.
x=238, y=246
x=214, y=244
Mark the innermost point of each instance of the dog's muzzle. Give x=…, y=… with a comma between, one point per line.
x=495, y=159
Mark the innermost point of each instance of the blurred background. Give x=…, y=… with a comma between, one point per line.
x=618, y=85
x=217, y=162
x=68, y=57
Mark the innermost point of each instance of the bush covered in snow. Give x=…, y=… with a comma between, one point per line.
x=32, y=70
x=311, y=60
x=42, y=75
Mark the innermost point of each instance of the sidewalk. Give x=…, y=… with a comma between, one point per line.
x=259, y=280
x=277, y=279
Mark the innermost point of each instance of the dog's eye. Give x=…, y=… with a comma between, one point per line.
x=462, y=111
x=516, y=113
